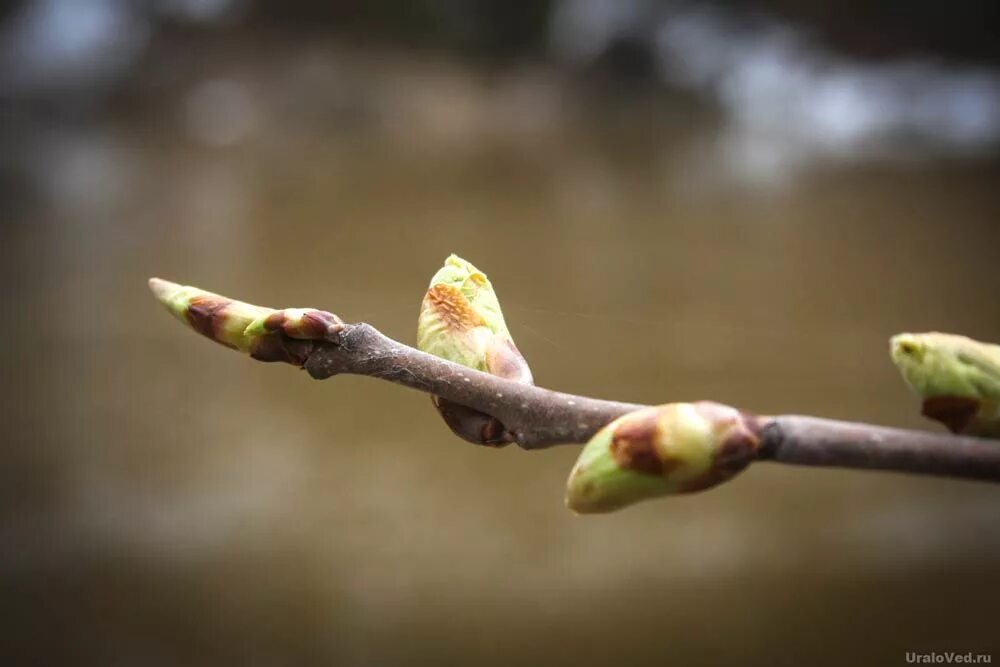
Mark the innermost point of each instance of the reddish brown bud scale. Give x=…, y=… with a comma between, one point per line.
x=279, y=348
x=506, y=361
x=471, y=425
x=633, y=446
x=304, y=324
x=206, y=315
x=957, y=413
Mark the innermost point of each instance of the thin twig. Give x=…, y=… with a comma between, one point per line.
x=539, y=418
x=812, y=441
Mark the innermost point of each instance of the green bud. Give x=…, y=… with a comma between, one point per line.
x=266, y=334
x=958, y=379
x=461, y=321
x=659, y=451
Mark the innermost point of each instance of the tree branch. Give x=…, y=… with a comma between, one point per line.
x=648, y=441
x=539, y=418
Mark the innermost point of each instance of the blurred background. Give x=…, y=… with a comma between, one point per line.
x=739, y=201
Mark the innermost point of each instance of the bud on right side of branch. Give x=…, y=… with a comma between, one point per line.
x=957, y=378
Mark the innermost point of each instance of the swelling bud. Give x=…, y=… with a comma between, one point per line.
x=957, y=378
x=461, y=321
x=266, y=334
x=660, y=451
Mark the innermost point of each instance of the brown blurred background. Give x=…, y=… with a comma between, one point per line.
x=739, y=201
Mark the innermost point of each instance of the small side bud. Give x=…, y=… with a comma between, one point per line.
x=659, y=451
x=265, y=334
x=461, y=321
x=957, y=378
